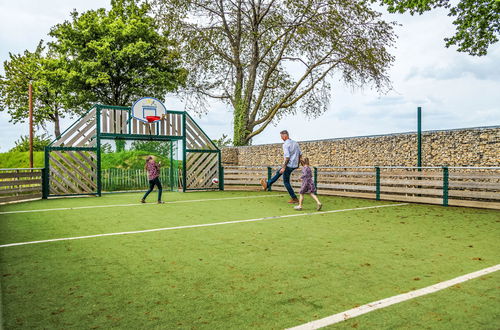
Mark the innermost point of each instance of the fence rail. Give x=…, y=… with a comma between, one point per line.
x=131, y=179
x=458, y=186
x=18, y=184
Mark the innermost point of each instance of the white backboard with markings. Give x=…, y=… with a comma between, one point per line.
x=148, y=107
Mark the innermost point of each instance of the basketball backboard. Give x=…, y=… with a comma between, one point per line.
x=147, y=107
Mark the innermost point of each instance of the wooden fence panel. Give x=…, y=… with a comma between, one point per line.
x=472, y=187
x=20, y=184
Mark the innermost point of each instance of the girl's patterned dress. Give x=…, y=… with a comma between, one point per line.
x=307, y=181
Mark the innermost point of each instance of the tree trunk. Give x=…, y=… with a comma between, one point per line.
x=240, y=125
x=57, y=128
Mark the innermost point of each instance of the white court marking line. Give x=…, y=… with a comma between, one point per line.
x=200, y=225
x=136, y=204
x=340, y=317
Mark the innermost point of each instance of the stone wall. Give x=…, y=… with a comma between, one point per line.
x=458, y=147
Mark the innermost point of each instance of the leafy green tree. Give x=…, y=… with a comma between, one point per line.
x=152, y=147
x=39, y=143
x=223, y=141
x=120, y=145
x=116, y=56
x=477, y=21
x=268, y=59
x=106, y=148
x=48, y=81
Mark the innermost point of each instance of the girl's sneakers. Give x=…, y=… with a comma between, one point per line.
x=298, y=208
x=318, y=208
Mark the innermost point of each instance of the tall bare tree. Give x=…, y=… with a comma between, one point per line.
x=270, y=58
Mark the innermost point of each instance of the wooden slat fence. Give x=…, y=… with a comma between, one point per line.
x=458, y=186
x=114, y=179
x=18, y=184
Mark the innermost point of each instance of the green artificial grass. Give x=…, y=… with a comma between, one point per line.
x=469, y=305
x=275, y=273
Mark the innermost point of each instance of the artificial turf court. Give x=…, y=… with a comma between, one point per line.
x=267, y=273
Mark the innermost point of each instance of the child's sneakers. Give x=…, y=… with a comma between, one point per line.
x=143, y=201
x=318, y=208
x=298, y=208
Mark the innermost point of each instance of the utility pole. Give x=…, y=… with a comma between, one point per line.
x=30, y=93
x=419, y=138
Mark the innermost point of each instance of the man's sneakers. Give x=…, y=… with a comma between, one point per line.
x=263, y=183
x=293, y=201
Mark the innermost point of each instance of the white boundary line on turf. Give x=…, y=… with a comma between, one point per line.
x=340, y=317
x=200, y=225
x=136, y=204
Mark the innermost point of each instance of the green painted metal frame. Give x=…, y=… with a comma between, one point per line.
x=45, y=178
x=269, y=174
x=185, y=151
x=221, y=172
x=144, y=137
x=98, y=136
x=315, y=178
x=103, y=136
x=171, y=171
x=445, y=185
x=201, y=189
x=184, y=147
x=46, y=181
x=377, y=183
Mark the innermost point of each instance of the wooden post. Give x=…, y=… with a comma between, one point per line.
x=30, y=96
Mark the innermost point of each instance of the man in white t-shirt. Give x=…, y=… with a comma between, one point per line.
x=292, y=155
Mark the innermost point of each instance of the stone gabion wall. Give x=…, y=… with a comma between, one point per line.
x=459, y=147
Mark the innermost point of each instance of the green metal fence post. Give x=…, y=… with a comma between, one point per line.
x=445, y=185
x=377, y=183
x=269, y=176
x=184, y=147
x=315, y=176
x=221, y=178
x=221, y=171
x=171, y=166
x=45, y=177
x=98, y=151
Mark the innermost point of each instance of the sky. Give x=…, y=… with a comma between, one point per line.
x=455, y=90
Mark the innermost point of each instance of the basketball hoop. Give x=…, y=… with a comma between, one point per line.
x=151, y=119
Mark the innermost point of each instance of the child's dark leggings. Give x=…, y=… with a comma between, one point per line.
x=152, y=184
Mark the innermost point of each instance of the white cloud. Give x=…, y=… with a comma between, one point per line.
x=454, y=89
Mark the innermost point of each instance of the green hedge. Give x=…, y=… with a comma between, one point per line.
x=124, y=159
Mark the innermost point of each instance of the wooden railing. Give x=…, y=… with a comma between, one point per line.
x=460, y=186
x=20, y=184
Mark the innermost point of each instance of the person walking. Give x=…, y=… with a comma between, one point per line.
x=153, y=169
x=292, y=155
x=307, y=186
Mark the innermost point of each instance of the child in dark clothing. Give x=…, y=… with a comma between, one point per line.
x=153, y=169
